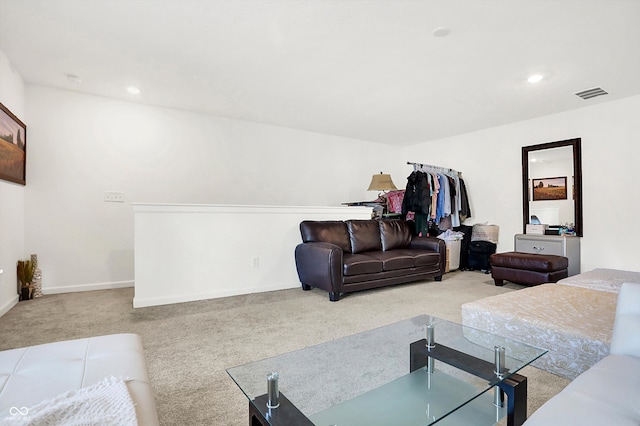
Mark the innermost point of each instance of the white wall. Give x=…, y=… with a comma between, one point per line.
x=82, y=146
x=11, y=194
x=491, y=164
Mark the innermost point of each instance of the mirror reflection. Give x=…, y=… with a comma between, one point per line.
x=552, y=169
x=551, y=185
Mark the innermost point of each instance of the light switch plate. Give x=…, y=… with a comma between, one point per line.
x=114, y=197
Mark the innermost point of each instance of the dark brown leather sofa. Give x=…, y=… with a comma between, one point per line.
x=346, y=256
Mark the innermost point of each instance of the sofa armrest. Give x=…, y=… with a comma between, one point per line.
x=429, y=243
x=626, y=328
x=320, y=265
x=434, y=244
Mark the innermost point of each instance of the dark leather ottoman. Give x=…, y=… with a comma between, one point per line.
x=527, y=268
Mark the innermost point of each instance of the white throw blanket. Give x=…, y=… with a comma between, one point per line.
x=105, y=403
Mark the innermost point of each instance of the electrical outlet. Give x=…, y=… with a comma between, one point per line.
x=255, y=262
x=114, y=197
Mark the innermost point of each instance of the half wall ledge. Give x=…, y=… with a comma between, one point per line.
x=188, y=252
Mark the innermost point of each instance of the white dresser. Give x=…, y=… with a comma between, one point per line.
x=568, y=247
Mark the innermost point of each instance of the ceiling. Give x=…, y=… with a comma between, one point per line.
x=365, y=69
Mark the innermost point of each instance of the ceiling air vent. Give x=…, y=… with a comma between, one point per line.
x=591, y=93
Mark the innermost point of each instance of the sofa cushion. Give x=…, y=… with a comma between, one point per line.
x=357, y=264
x=606, y=394
x=390, y=277
x=364, y=235
x=394, y=234
x=626, y=330
x=328, y=231
x=392, y=260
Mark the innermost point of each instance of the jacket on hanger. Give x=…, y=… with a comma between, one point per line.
x=417, y=195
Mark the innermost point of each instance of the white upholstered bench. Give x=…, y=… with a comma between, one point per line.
x=573, y=323
x=602, y=279
x=573, y=319
x=608, y=393
x=31, y=375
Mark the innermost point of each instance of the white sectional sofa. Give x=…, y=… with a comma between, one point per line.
x=609, y=392
x=37, y=380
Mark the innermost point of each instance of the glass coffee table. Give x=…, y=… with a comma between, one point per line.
x=419, y=371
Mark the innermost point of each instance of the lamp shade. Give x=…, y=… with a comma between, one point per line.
x=381, y=182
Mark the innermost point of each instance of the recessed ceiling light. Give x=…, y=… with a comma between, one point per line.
x=535, y=78
x=441, y=32
x=133, y=90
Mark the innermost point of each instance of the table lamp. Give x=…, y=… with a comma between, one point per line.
x=381, y=182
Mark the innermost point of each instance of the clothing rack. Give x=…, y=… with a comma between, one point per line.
x=439, y=169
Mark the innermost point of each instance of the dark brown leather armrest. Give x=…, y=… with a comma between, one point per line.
x=429, y=243
x=320, y=265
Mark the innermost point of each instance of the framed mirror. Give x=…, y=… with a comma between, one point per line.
x=552, y=184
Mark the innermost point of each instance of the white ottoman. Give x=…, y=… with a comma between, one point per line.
x=573, y=323
x=34, y=374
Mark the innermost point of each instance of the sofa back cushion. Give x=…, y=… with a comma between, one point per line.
x=394, y=234
x=625, y=339
x=364, y=235
x=328, y=231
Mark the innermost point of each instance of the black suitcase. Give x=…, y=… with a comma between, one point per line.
x=464, y=245
x=479, y=252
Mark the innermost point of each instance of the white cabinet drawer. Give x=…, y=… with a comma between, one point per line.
x=568, y=247
x=525, y=245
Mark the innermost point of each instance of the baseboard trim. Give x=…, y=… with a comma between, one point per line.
x=87, y=287
x=10, y=304
x=139, y=302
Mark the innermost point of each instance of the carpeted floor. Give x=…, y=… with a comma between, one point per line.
x=189, y=345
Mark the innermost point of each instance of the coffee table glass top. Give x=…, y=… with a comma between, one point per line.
x=366, y=379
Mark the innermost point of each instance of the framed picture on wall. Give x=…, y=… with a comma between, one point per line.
x=554, y=188
x=13, y=147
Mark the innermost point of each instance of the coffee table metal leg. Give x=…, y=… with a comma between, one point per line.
x=515, y=386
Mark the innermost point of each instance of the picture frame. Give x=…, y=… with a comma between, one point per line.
x=553, y=188
x=13, y=147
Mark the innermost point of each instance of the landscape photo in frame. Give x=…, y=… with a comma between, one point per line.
x=13, y=147
x=550, y=189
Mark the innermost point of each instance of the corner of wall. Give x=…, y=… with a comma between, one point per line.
x=10, y=304
x=12, y=95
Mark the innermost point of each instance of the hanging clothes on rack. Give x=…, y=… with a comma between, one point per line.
x=445, y=204
x=417, y=196
x=465, y=208
x=417, y=199
x=435, y=190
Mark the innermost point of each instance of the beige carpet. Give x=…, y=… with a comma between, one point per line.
x=189, y=345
